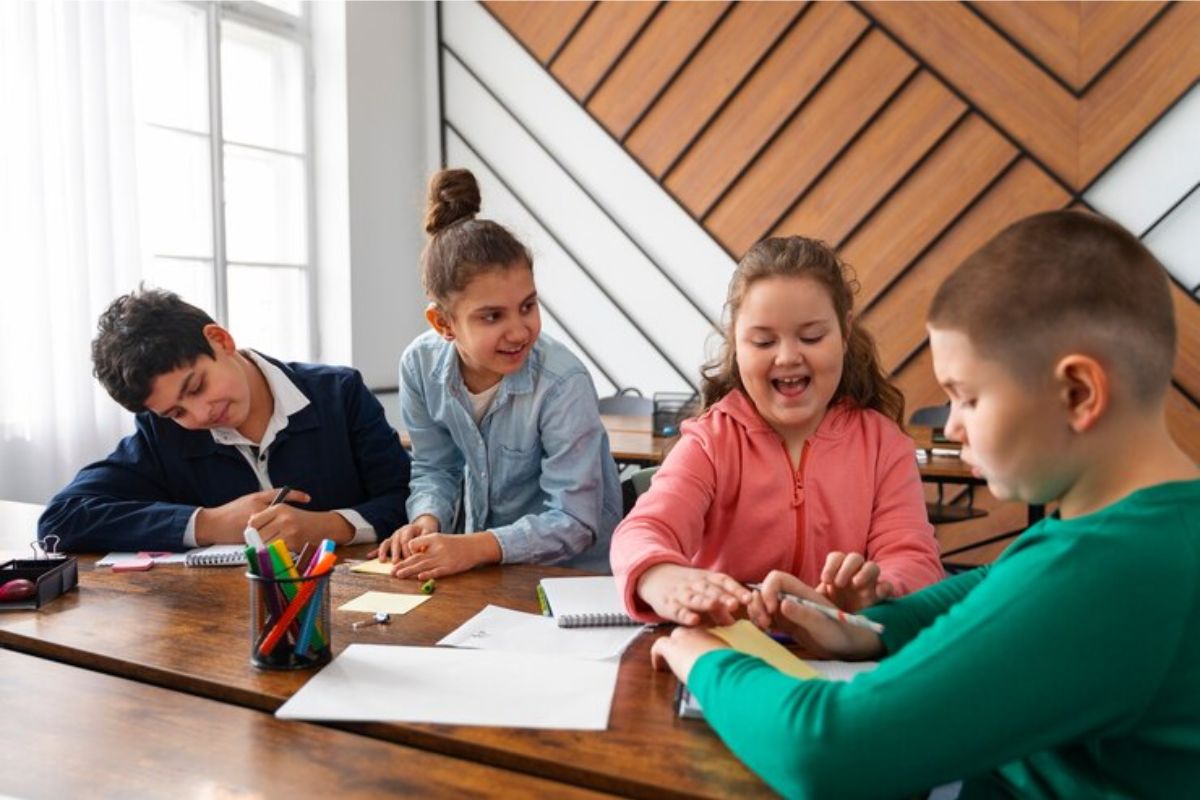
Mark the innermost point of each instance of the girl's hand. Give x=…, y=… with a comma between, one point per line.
x=851, y=582
x=817, y=635
x=435, y=555
x=692, y=596
x=679, y=651
x=395, y=546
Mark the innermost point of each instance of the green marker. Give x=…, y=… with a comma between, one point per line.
x=428, y=586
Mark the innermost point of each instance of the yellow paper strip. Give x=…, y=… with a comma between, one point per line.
x=745, y=637
x=390, y=602
x=373, y=567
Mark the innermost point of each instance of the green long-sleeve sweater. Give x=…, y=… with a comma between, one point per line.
x=1068, y=668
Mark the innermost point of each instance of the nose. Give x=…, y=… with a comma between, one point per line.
x=788, y=352
x=954, y=429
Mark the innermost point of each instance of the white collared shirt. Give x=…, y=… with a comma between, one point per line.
x=288, y=401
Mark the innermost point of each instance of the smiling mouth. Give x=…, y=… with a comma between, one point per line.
x=509, y=353
x=791, y=387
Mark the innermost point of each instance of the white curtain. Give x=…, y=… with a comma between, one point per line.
x=68, y=232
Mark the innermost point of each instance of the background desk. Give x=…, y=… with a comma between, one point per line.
x=186, y=629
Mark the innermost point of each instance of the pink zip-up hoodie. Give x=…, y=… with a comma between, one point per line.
x=727, y=499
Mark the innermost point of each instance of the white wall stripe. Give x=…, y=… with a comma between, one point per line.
x=1176, y=242
x=660, y=226
x=591, y=316
x=650, y=301
x=1156, y=172
x=604, y=386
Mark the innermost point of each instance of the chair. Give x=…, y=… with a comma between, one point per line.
x=940, y=511
x=634, y=486
x=627, y=402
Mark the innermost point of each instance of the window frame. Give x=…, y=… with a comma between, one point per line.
x=297, y=30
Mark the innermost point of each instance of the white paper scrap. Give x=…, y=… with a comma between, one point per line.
x=497, y=628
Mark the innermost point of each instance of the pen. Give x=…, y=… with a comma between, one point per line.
x=829, y=611
x=280, y=496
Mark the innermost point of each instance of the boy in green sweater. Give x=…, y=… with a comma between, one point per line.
x=1071, y=666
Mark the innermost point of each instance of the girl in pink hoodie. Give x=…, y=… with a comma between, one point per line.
x=797, y=463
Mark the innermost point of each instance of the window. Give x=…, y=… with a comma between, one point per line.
x=222, y=103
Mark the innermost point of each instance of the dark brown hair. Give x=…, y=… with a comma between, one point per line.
x=461, y=247
x=863, y=381
x=1062, y=282
x=142, y=335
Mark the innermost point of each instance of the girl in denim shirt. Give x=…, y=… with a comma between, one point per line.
x=503, y=420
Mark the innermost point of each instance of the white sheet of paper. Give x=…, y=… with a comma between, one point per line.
x=841, y=670
x=391, y=602
x=373, y=566
x=385, y=683
x=118, y=558
x=497, y=628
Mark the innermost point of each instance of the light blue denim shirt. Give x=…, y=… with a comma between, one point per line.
x=538, y=471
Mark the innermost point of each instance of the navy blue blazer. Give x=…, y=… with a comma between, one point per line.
x=339, y=449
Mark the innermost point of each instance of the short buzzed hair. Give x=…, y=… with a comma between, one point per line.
x=1062, y=282
x=142, y=335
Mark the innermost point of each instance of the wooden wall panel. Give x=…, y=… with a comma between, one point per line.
x=1031, y=105
x=781, y=84
x=599, y=42
x=1187, y=352
x=898, y=319
x=663, y=47
x=1105, y=28
x=1181, y=422
x=1049, y=30
x=541, y=27
x=1163, y=65
x=905, y=133
x=958, y=171
x=918, y=383
x=810, y=142
x=912, y=124
x=718, y=67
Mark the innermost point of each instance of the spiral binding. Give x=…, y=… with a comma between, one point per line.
x=595, y=621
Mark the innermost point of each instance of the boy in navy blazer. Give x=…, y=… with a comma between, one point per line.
x=219, y=431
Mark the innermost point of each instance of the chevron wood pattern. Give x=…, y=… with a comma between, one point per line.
x=905, y=133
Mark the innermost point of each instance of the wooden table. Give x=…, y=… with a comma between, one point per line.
x=71, y=732
x=187, y=629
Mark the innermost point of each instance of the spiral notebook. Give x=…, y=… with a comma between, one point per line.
x=587, y=602
x=217, y=555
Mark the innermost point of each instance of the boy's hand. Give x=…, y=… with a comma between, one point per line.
x=297, y=527
x=435, y=555
x=680, y=650
x=224, y=524
x=692, y=596
x=851, y=582
x=396, y=547
x=818, y=636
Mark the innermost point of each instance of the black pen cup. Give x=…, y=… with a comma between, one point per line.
x=289, y=621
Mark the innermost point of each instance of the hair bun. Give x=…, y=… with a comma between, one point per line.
x=453, y=196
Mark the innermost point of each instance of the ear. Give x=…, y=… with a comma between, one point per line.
x=1083, y=389
x=219, y=339
x=439, y=321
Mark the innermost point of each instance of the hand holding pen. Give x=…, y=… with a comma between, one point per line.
x=821, y=630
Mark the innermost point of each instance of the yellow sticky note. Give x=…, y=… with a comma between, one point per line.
x=745, y=637
x=390, y=602
x=373, y=567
